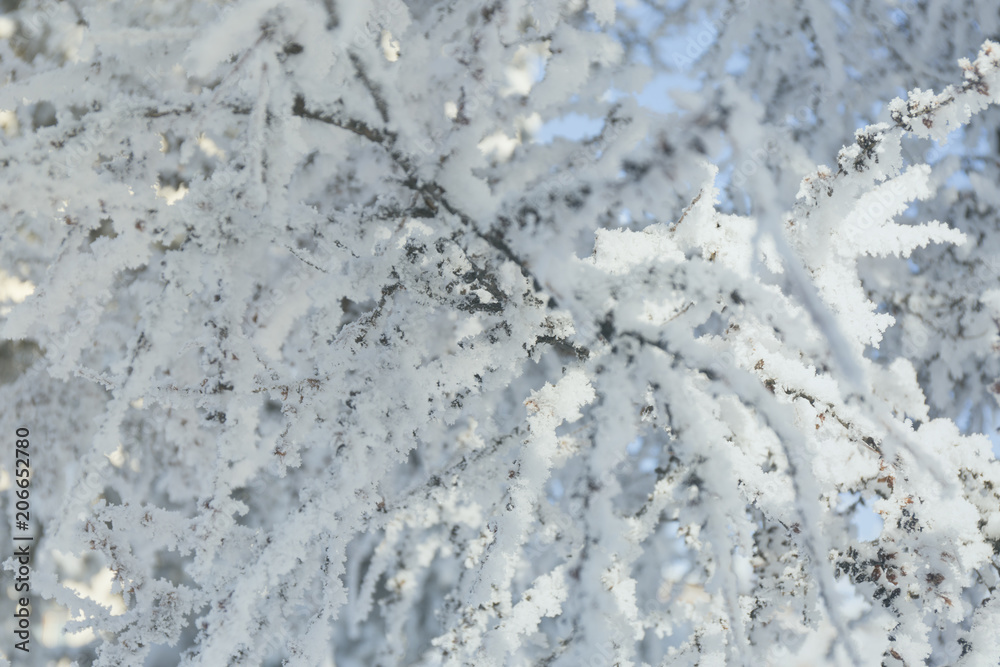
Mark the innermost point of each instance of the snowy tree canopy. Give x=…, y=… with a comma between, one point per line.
x=566, y=332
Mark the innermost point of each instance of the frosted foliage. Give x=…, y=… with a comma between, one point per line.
x=331, y=357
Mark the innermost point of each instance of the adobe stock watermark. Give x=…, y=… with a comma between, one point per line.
x=886, y=200
x=363, y=36
x=613, y=649
x=33, y=24
x=569, y=178
x=705, y=33
x=748, y=164
x=378, y=22
x=564, y=522
x=983, y=276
